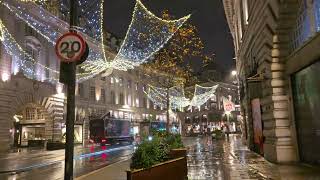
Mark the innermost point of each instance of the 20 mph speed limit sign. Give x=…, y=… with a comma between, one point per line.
x=70, y=47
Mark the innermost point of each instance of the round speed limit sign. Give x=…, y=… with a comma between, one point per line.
x=70, y=47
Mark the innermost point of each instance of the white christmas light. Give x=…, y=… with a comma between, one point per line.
x=177, y=99
x=146, y=35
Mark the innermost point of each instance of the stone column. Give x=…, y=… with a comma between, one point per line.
x=278, y=145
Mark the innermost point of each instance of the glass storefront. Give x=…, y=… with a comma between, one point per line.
x=32, y=135
x=78, y=133
x=306, y=98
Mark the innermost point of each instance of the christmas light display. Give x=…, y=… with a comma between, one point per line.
x=202, y=94
x=177, y=99
x=23, y=59
x=141, y=41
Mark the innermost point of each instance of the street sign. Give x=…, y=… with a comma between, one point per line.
x=70, y=47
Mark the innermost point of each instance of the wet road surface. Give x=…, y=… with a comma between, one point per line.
x=50, y=165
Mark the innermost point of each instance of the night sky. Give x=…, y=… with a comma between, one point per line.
x=207, y=15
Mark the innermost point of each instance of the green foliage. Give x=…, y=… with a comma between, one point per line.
x=218, y=133
x=174, y=141
x=149, y=153
x=155, y=151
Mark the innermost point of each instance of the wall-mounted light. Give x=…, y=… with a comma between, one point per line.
x=59, y=88
x=5, y=76
x=16, y=118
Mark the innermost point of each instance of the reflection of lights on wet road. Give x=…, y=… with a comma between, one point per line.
x=104, y=155
x=101, y=152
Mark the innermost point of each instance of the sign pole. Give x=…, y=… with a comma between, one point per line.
x=69, y=148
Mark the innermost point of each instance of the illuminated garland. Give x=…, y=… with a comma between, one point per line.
x=202, y=94
x=24, y=60
x=177, y=99
x=141, y=41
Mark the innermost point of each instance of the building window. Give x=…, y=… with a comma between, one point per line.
x=103, y=95
x=302, y=30
x=144, y=102
x=213, y=98
x=29, y=31
x=39, y=114
x=111, y=80
x=30, y=114
x=31, y=55
x=129, y=100
x=137, y=102
x=121, y=99
x=120, y=81
x=129, y=84
x=137, y=86
x=81, y=90
x=144, y=88
x=92, y=93
x=113, y=97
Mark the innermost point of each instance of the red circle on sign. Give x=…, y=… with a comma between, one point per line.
x=70, y=56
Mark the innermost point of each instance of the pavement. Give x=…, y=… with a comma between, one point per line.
x=231, y=160
x=220, y=160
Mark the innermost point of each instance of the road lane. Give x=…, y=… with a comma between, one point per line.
x=86, y=160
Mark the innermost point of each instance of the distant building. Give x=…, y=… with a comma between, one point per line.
x=212, y=112
x=277, y=57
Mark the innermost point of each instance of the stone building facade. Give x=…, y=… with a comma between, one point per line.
x=277, y=57
x=212, y=112
x=33, y=110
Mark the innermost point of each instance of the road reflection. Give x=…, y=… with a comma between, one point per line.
x=86, y=160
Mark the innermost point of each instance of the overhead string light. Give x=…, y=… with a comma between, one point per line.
x=51, y=31
x=202, y=94
x=146, y=34
x=26, y=62
x=177, y=99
